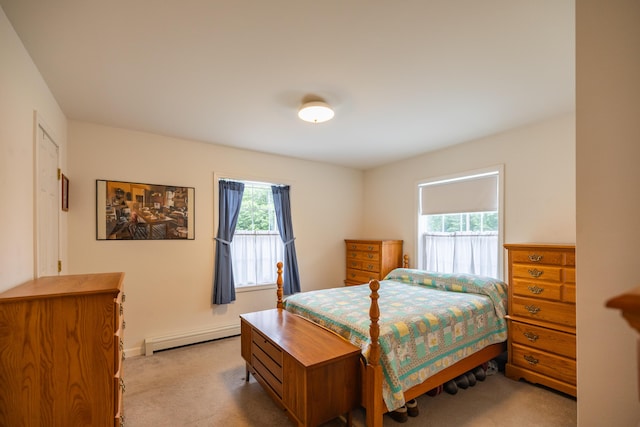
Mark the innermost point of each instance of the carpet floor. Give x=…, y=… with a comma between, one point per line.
x=204, y=385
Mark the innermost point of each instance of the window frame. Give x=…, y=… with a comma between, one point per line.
x=217, y=176
x=496, y=169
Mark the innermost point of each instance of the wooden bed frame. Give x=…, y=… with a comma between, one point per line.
x=371, y=373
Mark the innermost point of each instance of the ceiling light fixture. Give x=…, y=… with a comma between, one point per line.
x=315, y=112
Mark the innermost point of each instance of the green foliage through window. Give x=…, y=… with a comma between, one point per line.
x=471, y=221
x=257, y=213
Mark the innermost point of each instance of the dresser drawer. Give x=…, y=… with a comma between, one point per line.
x=561, y=368
x=537, y=289
x=273, y=380
x=265, y=345
x=555, y=312
x=363, y=256
x=366, y=247
x=361, y=276
x=537, y=257
x=545, y=339
x=570, y=275
x=118, y=405
x=537, y=272
x=569, y=293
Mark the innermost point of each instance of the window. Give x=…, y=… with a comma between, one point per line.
x=257, y=245
x=459, y=224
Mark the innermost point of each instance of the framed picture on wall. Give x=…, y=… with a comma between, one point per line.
x=65, y=193
x=136, y=211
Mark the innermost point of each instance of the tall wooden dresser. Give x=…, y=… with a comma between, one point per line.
x=542, y=315
x=61, y=352
x=371, y=259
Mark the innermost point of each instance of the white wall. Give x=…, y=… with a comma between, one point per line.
x=539, y=176
x=608, y=206
x=22, y=91
x=169, y=283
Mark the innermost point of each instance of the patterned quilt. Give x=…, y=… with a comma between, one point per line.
x=428, y=321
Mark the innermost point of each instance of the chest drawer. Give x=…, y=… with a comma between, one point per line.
x=543, y=339
x=537, y=256
x=555, y=312
x=266, y=347
x=561, y=368
x=267, y=360
x=363, y=256
x=364, y=247
x=536, y=289
x=361, y=276
x=538, y=272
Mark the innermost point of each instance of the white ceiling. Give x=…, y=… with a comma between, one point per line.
x=404, y=76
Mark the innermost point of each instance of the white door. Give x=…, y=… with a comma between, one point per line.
x=47, y=206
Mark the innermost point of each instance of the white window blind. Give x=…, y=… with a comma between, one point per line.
x=472, y=194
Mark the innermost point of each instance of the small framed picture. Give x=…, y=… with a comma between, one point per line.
x=65, y=193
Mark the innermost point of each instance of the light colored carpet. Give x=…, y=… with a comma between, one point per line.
x=203, y=386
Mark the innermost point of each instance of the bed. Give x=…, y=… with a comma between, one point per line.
x=416, y=329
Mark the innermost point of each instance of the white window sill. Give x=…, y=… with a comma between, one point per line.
x=252, y=288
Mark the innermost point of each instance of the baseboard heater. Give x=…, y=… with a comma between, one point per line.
x=170, y=341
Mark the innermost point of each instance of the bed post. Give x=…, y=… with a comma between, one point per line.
x=279, y=284
x=405, y=261
x=373, y=372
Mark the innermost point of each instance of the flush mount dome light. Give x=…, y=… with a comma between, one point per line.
x=315, y=112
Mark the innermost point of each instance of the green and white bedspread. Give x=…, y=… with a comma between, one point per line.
x=428, y=321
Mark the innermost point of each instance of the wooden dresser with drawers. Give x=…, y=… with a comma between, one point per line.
x=61, y=348
x=542, y=315
x=371, y=259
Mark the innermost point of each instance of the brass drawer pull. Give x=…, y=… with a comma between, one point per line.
x=535, y=258
x=370, y=256
x=354, y=254
x=370, y=267
x=370, y=248
x=531, y=360
x=535, y=289
x=531, y=336
x=535, y=272
x=124, y=297
x=122, y=386
x=532, y=309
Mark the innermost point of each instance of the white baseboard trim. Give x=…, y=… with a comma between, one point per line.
x=176, y=340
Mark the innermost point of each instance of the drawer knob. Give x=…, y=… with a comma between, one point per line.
x=535, y=258
x=531, y=336
x=535, y=289
x=354, y=254
x=370, y=248
x=531, y=360
x=370, y=256
x=370, y=266
x=535, y=272
x=533, y=309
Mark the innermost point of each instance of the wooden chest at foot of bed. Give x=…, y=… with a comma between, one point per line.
x=310, y=372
